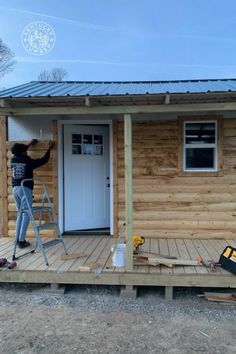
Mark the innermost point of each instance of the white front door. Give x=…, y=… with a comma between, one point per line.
x=86, y=177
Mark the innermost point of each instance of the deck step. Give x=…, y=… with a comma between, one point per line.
x=45, y=209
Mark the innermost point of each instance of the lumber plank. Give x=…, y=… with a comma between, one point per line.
x=173, y=262
x=220, y=297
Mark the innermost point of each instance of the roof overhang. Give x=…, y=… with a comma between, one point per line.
x=119, y=104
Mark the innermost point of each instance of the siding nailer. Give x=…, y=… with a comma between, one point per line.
x=138, y=241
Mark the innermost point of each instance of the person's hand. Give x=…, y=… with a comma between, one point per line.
x=50, y=145
x=33, y=142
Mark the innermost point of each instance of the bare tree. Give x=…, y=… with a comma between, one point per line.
x=56, y=74
x=44, y=76
x=6, y=59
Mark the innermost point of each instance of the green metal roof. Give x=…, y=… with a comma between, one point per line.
x=103, y=88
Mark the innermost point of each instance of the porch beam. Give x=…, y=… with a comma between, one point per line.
x=3, y=177
x=2, y=102
x=134, y=109
x=128, y=191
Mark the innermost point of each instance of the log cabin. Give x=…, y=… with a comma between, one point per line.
x=157, y=157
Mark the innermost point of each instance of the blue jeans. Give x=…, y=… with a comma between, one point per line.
x=22, y=221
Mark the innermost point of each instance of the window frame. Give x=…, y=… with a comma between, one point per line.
x=214, y=146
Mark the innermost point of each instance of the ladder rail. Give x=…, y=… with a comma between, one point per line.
x=46, y=206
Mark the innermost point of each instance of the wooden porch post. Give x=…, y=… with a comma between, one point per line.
x=54, y=156
x=128, y=191
x=3, y=177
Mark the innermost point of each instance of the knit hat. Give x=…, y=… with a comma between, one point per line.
x=19, y=149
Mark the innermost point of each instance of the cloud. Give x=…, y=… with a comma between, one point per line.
x=37, y=60
x=87, y=25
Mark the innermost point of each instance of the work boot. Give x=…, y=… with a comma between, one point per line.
x=23, y=244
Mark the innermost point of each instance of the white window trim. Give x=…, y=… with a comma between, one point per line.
x=215, y=146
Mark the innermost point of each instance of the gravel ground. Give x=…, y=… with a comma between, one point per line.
x=96, y=320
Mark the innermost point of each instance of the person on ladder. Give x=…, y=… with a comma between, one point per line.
x=22, y=167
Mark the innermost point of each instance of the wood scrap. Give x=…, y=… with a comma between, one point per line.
x=66, y=257
x=220, y=297
x=171, y=262
x=150, y=254
x=140, y=261
x=87, y=267
x=145, y=259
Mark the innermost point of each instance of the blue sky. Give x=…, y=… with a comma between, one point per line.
x=125, y=39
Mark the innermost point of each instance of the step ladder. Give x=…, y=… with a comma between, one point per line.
x=38, y=225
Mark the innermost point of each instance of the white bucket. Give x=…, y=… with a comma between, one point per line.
x=118, y=258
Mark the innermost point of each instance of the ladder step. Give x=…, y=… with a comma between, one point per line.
x=51, y=225
x=51, y=243
x=40, y=209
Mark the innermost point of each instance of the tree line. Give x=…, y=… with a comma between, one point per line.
x=7, y=64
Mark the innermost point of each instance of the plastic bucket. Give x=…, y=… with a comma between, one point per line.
x=118, y=258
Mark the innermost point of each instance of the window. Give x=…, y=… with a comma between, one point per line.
x=87, y=144
x=200, y=146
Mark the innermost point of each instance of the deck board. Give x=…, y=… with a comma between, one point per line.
x=55, y=260
x=83, y=246
x=164, y=250
x=32, y=268
x=193, y=255
x=154, y=247
x=90, y=250
x=144, y=248
x=173, y=251
x=77, y=248
x=213, y=252
x=35, y=258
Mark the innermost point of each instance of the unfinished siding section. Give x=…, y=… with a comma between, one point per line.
x=168, y=203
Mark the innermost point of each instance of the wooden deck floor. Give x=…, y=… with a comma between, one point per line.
x=32, y=268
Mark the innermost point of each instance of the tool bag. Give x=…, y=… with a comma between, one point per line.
x=228, y=259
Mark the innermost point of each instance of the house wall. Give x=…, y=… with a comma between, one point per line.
x=168, y=203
